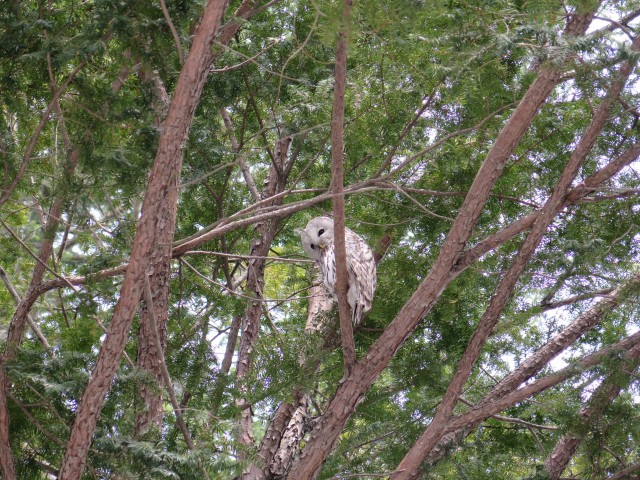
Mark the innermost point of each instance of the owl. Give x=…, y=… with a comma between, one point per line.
x=317, y=240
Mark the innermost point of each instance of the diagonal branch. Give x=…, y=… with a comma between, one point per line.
x=32, y=324
x=628, y=349
x=590, y=414
x=174, y=32
x=536, y=361
x=343, y=404
x=428, y=440
x=524, y=223
x=26, y=158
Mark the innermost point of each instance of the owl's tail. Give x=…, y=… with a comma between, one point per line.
x=356, y=314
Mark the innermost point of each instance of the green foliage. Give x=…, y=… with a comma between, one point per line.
x=468, y=62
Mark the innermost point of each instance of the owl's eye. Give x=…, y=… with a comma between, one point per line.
x=313, y=247
x=321, y=231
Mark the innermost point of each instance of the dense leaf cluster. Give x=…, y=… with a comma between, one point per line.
x=462, y=65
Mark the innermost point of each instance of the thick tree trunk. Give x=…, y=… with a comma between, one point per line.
x=365, y=372
x=163, y=179
x=160, y=265
x=148, y=358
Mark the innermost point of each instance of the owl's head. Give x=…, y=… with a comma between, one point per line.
x=317, y=235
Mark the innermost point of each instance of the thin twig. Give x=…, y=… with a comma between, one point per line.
x=259, y=65
x=207, y=175
x=26, y=158
x=163, y=366
x=420, y=206
x=26, y=247
x=249, y=257
x=105, y=330
x=243, y=63
x=174, y=32
x=242, y=161
x=234, y=292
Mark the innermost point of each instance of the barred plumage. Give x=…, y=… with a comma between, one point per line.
x=317, y=240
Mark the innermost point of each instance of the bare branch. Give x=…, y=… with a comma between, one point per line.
x=249, y=257
x=35, y=257
x=248, y=178
x=174, y=32
x=243, y=63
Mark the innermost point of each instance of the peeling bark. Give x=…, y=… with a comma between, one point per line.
x=149, y=358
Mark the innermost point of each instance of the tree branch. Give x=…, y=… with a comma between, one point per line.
x=248, y=178
x=536, y=361
x=337, y=188
x=409, y=465
x=164, y=176
x=30, y=321
x=342, y=405
x=26, y=158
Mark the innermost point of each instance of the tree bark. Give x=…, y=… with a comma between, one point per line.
x=149, y=359
x=365, y=372
x=409, y=465
x=538, y=360
x=600, y=400
x=337, y=188
x=164, y=178
x=259, y=249
x=20, y=316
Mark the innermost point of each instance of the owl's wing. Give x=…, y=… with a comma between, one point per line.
x=328, y=267
x=363, y=265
